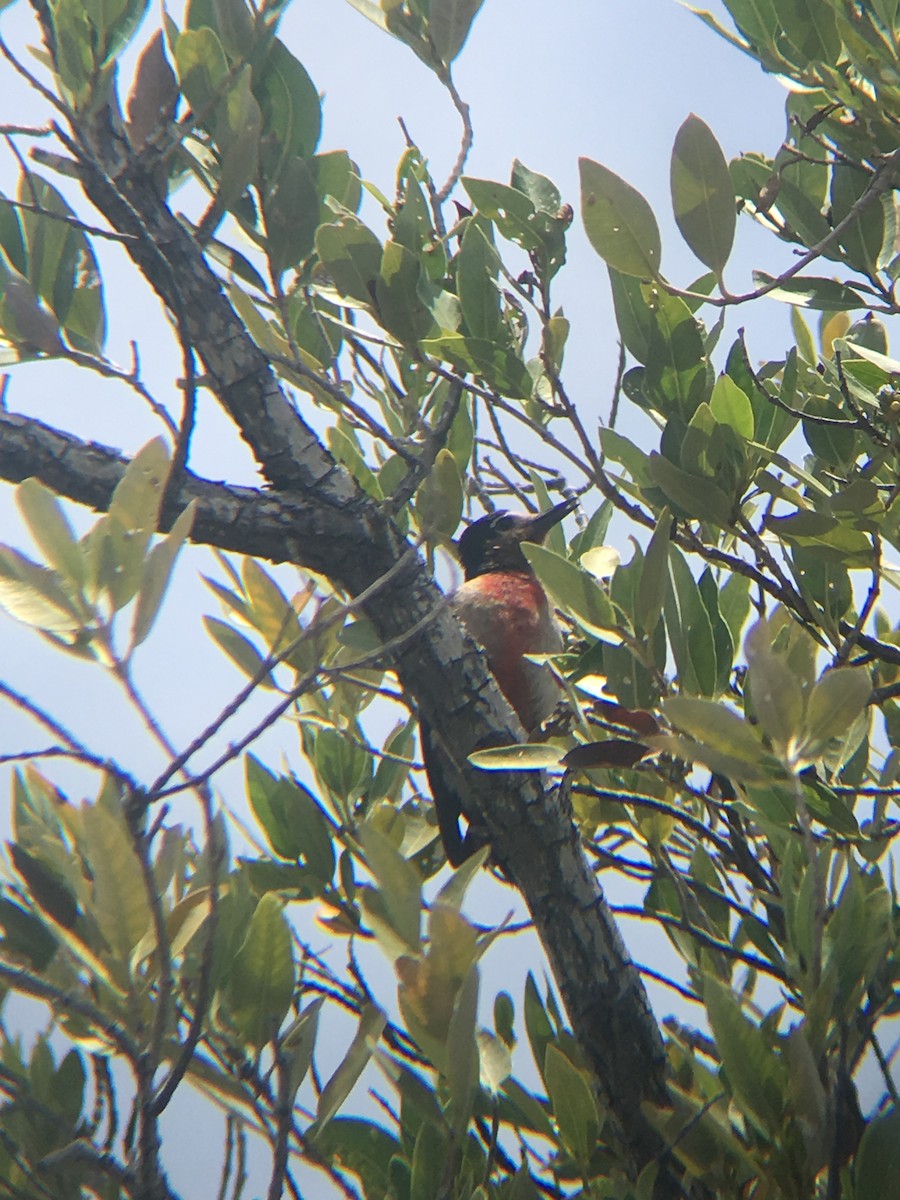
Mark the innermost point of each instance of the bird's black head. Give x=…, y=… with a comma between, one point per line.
x=494, y=543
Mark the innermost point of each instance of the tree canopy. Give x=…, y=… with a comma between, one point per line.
x=393, y=358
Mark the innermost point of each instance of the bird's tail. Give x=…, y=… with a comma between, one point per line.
x=446, y=783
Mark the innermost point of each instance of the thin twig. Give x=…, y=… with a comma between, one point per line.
x=465, y=145
x=68, y=219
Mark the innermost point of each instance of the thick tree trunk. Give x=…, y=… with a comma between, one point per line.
x=317, y=517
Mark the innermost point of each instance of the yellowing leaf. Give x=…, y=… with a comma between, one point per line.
x=601, y=561
x=50, y=528
x=528, y=756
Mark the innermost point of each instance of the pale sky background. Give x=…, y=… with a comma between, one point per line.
x=546, y=83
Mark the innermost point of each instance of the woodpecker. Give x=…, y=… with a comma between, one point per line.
x=505, y=609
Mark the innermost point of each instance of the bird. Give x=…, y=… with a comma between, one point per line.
x=505, y=609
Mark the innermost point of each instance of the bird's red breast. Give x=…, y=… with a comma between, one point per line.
x=507, y=612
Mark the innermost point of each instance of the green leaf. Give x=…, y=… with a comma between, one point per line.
x=501, y=367
x=439, y=500
x=723, y=641
x=429, y=1155
x=449, y=22
x=342, y=766
x=826, y=295
x=157, y=573
x=51, y=530
x=229, y=18
x=344, y=445
x=239, y=649
x=574, y=590
x=351, y=254
x=462, y=1053
x=62, y=267
x=261, y=980
x=634, y=317
x=812, y=29
x=511, y=210
x=775, y=690
x=393, y=769
x=702, y=194
x=476, y=273
x=45, y=890
x=619, y=222
x=601, y=561
x=292, y=821
x=862, y=240
x=237, y=133
x=431, y=986
x=399, y=885
x=714, y=725
x=337, y=177
x=120, y=905
x=756, y=19
x=755, y=1075
x=12, y=237
x=834, y=704
x=693, y=495
x=363, y=1147
x=289, y=880
x=74, y=37
x=132, y=520
x=371, y=1023
x=291, y=110
x=623, y=451
x=454, y=890
x=291, y=211
x=573, y=1105
x=537, y=1023
x=891, y=366
x=67, y=1088
x=25, y=936
x=690, y=629
x=654, y=581
x=138, y=495
x=878, y=1157
x=400, y=305
x=541, y=191
x=36, y=595
x=834, y=541
x=202, y=69
x=268, y=608
x=298, y=1044
x=731, y=406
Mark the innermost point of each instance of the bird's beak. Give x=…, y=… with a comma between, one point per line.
x=537, y=528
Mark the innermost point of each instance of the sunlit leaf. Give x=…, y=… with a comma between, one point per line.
x=157, y=573
x=619, y=222
x=702, y=194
